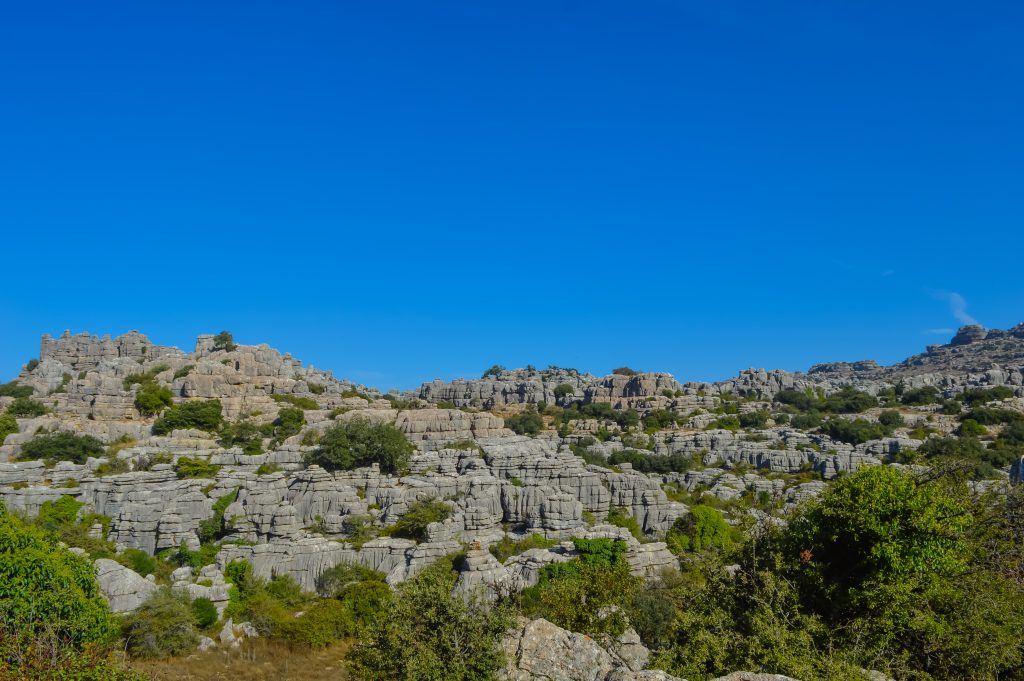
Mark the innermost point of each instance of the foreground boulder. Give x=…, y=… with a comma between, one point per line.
x=124, y=589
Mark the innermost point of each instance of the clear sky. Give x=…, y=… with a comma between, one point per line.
x=406, y=190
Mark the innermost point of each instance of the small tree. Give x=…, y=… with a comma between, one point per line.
x=528, y=422
x=8, y=425
x=204, y=612
x=563, y=390
x=224, y=341
x=200, y=414
x=624, y=371
x=414, y=522
x=495, y=371
x=62, y=446
x=163, y=626
x=426, y=633
x=357, y=443
x=153, y=398
x=26, y=407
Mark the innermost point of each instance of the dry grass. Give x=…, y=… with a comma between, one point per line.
x=255, y=660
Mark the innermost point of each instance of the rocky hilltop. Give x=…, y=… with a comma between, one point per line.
x=553, y=453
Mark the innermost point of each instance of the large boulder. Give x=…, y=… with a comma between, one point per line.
x=124, y=589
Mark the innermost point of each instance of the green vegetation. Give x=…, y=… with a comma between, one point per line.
x=624, y=371
x=12, y=389
x=145, y=378
x=648, y=462
x=267, y=468
x=306, y=403
x=974, y=396
x=204, y=612
x=527, y=422
x=183, y=371
x=212, y=529
x=26, y=407
x=152, y=399
x=414, y=522
x=198, y=414
x=224, y=341
x=508, y=547
x=62, y=446
x=244, y=434
x=601, y=411
x=163, y=626
x=495, y=371
x=918, y=397
x=8, y=426
x=702, y=529
x=620, y=517
x=589, y=594
x=289, y=422
x=854, y=431
x=187, y=467
x=883, y=571
x=427, y=633
x=358, y=443
x=563, y=390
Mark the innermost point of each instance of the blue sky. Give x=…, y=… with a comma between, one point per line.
x=401, y=191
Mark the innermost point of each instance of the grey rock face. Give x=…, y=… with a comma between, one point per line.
x=124, y=589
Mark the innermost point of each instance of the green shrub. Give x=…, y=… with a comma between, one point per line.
x=624, y=371
x=306, y=403
x=729, y=422
x=322, y=624
x=648, y=462
x=12, y=389
x=224, y=341
x=47, y=590
x=204, y=612
x=358, y=443
x=507, y=547
x=139, y=561
x=496, y=370
x=527, y=422
x=289, y=422
x=659, y=419
x=163, y=626
x=703, y=528
x=214, y=528
x=754, y=419
x=918, y=397
x=183, y=371
x=267, y=468
x=62, y=446
x=890, y=418
x=414, y=522
x=288, y=592
x=854, y=432
x=970, y=427
x=849, y=401
x=973, y=396
x=26, y=407
x=426, y=633
x=153, y=398
x=8, y=426
x=144, y=378
x=147, y=461
x=588, y=594
x=199, y=414
x=563, y=390
x=244, y=434
x=992, y=416
x=333, y=581
x=808, y=421
x=618, y=517
x=187, y=467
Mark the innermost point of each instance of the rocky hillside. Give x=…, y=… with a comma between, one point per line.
x=230, y=452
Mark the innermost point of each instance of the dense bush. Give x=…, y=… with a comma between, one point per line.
x=62, y=446
x=992, y=416
x=26, y=407
x=849, y=401
x=199, y=414
x=973, y=396
x=855, y=431
x=754, y=419
x=804, y=401
x=224, y=341
x=527, y=422
x=204, y=612
x=46, y=591
x=357, y=443
x=563, y=390
x=917, y=397
x=890, y=418
x=602, y=411
x=187, y=467
x=8, y=426
x=213, y=528
x=163, y=626
x=426, y=633
x=589, y=594
x=420, y=514
x=883, y=571
x=289, y=422
x=806, y=421
x=702, y=528
x=152, y=398
x=305, y=403
x=624, y=371
x=648, y=462
x=659, y=419
x=508, y=547
x=333, y=581
x=12, y=389
x=495, y=371
x=244, y=434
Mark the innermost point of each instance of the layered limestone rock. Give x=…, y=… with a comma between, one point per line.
x=124, y=589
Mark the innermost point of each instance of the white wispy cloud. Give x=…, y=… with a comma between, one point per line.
x=957, y=306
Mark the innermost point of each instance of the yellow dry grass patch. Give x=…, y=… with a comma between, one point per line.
x=253, y=660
